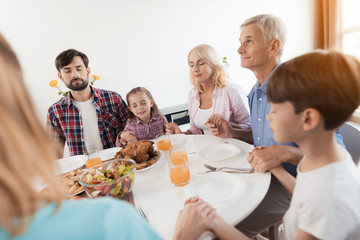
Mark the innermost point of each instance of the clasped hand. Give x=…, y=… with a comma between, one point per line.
x=218, y=126
x=196, y=217
x=127, y=137
x=172, y=128
x=263, y=159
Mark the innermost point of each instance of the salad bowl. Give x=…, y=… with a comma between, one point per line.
x=113, y=178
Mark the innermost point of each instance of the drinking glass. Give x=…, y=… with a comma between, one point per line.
x=163, y=142
x=178, y=151
x=93, y=158
x=179, y=172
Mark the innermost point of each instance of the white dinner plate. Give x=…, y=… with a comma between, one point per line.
x=72, y=195
x=41, y=186
x=65, y=165
x=109, y=153
x=218, y=152
x=159, y=158
x=216, y=187
x=70, y=163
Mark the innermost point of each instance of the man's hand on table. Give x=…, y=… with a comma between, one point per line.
x=262, y=159
x=194, y=219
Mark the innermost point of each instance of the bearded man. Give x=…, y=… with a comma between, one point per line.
x=87, y=118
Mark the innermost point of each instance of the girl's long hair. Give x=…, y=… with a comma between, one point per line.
x=154, y=109
x=25, y=151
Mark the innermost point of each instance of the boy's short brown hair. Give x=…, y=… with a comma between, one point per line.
x=326, y=81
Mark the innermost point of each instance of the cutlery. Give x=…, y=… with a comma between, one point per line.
x=139, y=209
x=231, y=171
x=213, y=169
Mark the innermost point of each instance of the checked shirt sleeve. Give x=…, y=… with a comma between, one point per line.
x=54, y=127
x=123, y=111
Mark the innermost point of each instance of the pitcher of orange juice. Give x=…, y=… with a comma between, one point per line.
x=163, y=142
x=179, y=172
x=93, y=158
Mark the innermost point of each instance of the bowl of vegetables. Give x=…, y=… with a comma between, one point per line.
x=113, y=178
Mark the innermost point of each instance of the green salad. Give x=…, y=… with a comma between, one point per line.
x=107, y=182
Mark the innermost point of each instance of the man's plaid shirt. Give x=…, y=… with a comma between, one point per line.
x=64, y=120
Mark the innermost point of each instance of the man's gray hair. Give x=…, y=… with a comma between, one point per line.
x=272, y=28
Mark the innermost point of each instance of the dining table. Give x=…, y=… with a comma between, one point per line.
x=233, y=195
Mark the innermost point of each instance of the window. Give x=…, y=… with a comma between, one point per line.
x=351, y=38
x=351, y=27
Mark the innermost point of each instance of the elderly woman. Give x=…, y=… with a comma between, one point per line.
x=212, y=96
x=25, y=153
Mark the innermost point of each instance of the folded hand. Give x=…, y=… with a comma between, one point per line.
x=218, y=126
x=172, y=128
x=262, y=159
x=194, y=219
x=127, y=138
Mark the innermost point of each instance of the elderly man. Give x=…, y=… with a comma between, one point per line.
x=87, y=118
x=262, y=41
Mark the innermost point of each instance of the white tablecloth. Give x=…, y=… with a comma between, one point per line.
x=161, y=201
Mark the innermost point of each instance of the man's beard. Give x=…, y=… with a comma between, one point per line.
x=78, y=86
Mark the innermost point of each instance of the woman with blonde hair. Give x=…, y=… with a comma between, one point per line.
x=213, y=94
x=26, y=155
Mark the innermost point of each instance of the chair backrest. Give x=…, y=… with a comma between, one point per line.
x=351, y=137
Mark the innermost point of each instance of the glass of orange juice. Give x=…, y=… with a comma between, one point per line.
x=163, y=142
x=93, y=158
x=179, y=172
x=178, y=151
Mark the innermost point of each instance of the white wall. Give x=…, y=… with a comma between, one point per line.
x=139, y=42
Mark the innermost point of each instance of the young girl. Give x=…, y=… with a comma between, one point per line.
x=145, y=121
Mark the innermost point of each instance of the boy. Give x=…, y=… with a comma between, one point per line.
x=310, y=97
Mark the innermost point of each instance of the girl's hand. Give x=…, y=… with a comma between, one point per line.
x=127, y=137
x=172, y=128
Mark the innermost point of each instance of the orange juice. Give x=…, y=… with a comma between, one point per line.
x=92, y=162
x=164, y=145
x=176, y=156
x=179, y=175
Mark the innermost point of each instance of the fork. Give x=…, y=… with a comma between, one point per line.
x=139, y=209
x=229, y=171
x=221, y=168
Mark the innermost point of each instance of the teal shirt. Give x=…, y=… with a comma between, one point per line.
x=104, y=218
